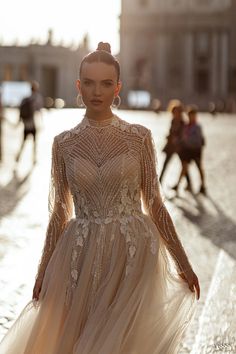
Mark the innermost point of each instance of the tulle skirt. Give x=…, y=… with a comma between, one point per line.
x=105, y=295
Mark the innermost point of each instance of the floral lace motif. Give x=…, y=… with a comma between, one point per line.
x=124, y=213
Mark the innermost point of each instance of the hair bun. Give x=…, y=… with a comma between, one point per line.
x=104, y=46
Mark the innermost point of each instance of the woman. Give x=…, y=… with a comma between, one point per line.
x=172, y=145
x=106, y=283
x=192, y=145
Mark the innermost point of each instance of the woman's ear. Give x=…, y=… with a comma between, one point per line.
x=78, y=85
x=118, y=88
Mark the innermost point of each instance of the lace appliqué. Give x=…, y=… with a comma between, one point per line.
x=124, y=213
x=129, y=208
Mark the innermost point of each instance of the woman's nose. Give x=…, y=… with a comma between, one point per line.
x=97, y=89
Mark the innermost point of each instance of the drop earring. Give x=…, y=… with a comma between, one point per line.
x=79, y=101
x=116, y=102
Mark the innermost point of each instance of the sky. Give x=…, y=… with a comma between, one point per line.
x=25, y=20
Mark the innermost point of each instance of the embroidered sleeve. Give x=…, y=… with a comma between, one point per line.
x=155, y=207
x=59, y=204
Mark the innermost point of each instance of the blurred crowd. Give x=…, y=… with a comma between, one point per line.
x=186, y=139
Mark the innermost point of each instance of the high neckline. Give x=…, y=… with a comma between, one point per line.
x=99, y=123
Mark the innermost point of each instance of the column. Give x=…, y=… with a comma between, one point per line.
x=127, y=58
x=161, y=60
x=224, y=54
x=189, y=64
x=214, y=64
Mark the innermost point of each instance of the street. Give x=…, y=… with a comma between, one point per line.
x=206, y=224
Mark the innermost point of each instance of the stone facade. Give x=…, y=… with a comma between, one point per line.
x=182, y=49
x=54, y=67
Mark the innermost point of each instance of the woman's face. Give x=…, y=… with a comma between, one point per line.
x=98, y=86
x=177, y=112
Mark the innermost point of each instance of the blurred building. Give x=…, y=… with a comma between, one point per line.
x=56, y=68
x=179, y=49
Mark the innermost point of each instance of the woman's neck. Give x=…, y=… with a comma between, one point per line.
x=98, y=115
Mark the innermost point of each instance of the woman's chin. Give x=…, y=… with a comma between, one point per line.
x=98, y=108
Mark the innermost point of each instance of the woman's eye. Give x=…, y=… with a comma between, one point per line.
x=107, y=84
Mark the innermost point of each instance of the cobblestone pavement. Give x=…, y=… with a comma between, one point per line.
x=206, y=224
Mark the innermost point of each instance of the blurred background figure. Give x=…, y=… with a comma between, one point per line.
x=192, y=147
x=28, y=107
x=156, y=105
x=212, y=108
x=174, y=137
x=37, y=96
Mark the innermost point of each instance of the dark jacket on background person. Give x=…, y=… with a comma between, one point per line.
x=174, y=138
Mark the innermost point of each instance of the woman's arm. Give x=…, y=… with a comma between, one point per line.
x=155, y=207
x=60, y=210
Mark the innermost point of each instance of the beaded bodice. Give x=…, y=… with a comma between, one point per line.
x=102, y=169
x=107, y=171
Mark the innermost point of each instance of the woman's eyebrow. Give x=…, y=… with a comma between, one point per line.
x=110, y=80
x=105, y=80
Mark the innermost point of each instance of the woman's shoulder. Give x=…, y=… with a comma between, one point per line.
x=131, y=128
x=59, y=138
x=66, y=137
x=69, y=134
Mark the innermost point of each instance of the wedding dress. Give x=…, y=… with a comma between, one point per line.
x=110, y=272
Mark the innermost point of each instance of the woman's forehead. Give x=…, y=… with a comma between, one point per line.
x=98, y=71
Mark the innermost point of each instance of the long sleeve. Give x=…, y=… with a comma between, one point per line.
x=60, y=207
x=154, y=205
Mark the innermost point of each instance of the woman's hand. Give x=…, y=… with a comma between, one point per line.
x=192, y=280
x=37, y=288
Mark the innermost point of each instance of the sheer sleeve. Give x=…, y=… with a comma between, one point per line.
x=154, y=205
x=59, y=204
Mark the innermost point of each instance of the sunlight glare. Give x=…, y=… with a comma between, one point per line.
x=70, y=20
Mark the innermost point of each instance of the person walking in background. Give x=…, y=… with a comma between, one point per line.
x=192, y=145
x=172, y=145
x=28, y=107
x=112, y=279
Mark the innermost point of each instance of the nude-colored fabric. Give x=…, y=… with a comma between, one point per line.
x=110, y=273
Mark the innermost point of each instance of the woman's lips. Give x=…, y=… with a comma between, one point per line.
x=96, y=102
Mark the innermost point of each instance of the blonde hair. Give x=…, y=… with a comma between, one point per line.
x=175, y=103
x=192, y=109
